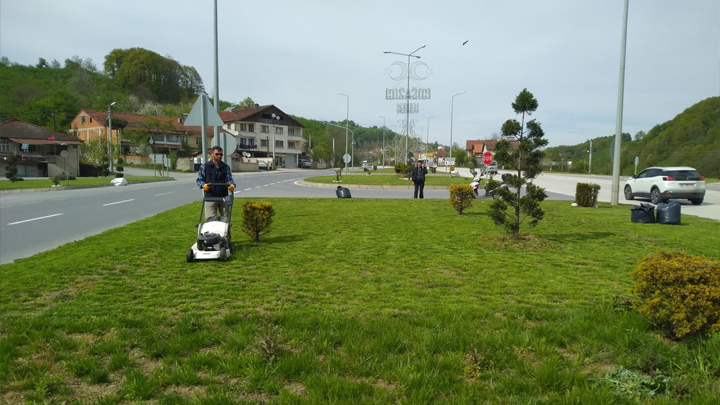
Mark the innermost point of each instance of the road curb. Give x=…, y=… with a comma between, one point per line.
x=44, y=189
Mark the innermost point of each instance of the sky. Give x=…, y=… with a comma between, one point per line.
x=298, y=54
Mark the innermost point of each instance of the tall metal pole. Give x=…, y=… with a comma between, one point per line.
x=383, y=147
x=615, y=191
x=590, y=164
x=203, y=132
x=347, y=122
x=427, y=134
x=452, y=105
x=216, y=132
x=407, y=110
x=110, y=154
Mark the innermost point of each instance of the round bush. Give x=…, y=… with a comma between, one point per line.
x=679, y=292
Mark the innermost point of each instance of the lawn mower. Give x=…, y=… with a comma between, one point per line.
x=213, y=236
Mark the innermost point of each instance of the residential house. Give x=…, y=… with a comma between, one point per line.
x=478, y=147
x=266, y=131
x=89, y=125
x=39, y=150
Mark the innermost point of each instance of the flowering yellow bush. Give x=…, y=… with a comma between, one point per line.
x=461, y=197
x=257, y=218
x=679, y=292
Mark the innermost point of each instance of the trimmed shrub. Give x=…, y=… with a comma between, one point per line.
x=11, y=168
x=367, y=170
x=374, y=167
x=55, y=180
x=401, y=168
x=586, y=194
x=257, y=218
x=461, y=197
x=679, y=292
x=119, y=175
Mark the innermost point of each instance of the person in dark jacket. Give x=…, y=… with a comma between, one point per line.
x=216, y=171
x=418, y=178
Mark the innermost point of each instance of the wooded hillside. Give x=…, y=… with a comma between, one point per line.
x=692, y=138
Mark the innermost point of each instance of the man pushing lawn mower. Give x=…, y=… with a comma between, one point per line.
x=213, y=240
x=215, y=178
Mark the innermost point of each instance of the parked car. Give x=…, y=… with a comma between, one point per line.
x=492, y=168
x=305, y=164
x=663, y=183
x=265, y=165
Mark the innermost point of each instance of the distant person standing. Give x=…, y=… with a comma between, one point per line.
x=418, y=178
x=217, y=173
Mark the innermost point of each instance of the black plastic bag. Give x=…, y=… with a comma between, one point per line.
x=643, y=214
x=342, y=192
x=668, y=213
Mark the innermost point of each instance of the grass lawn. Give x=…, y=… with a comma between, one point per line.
x=354, y=301
x=80, y=181
x=430, y=180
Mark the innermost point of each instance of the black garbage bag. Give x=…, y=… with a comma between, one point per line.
x=342, y=192
x=643, y=214
x=668, y=213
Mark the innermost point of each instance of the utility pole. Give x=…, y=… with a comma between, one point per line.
x=590, y=151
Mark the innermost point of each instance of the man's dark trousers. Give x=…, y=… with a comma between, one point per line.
x=419, y=185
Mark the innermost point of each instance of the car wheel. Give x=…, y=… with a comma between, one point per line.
x=697, y=201
x=628, y=193
x=655, y=196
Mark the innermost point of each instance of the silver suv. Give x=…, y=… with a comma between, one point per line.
x=492, y=168
x=663, y=183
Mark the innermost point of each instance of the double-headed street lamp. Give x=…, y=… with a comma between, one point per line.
x=347, y=122
x=452, y=105
x=383, y=148
x=407, y=95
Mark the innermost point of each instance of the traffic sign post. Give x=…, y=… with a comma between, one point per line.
x=203, y=114
x=487, y=158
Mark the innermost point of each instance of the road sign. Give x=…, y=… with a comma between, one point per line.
x=487, y=158
x=203, y=114
x=225, y=141
x=346, y=158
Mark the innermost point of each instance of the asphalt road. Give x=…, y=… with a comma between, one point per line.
x=31, y=223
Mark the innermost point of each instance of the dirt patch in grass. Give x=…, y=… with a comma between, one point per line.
x=523, y=242
x=185, y=391
x=296, y=388
x=145, y=364
x=87, y=393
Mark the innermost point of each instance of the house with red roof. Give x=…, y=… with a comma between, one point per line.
x=478, y=147
x=89, y=125
x=266, y=131
x=41, y=152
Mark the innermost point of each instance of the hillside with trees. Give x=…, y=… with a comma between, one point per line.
x=692, y=138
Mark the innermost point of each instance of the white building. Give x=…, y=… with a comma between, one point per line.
x=266, y=131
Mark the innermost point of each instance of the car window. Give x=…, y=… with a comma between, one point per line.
x=644, y=174
x=683, y=174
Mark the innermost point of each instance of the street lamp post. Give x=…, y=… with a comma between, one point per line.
x=425, y=146
x=407, y=95
x=110, y=154
x=383, y=147
x=452, y=105
x=347, y=123
x=427, y=133
x=353, y=139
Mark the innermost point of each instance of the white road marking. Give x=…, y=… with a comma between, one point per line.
x=170, y=192
x=258, y=186
x=265, y=185
x=36, y=202
x=34, y=219
x=271, y=184
x=6, y=206
x=118, y=202
x=248, y=189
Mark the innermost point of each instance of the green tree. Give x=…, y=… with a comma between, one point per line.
x=247, y=103
x=510, y=210
x=11, y=168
